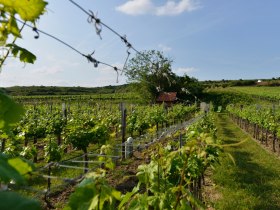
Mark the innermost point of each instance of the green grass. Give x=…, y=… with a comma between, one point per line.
x=253, y=182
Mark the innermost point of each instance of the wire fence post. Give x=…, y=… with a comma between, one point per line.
x=49, y=180
x=123, y=123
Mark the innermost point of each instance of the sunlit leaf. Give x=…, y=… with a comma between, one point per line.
x=24, y=55
x=8, y=172
x=94, y=202
x=13, y=27
x=10, y=112
x=29, y=10
x=20, y=165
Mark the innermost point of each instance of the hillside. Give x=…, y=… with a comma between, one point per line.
x=53, y=90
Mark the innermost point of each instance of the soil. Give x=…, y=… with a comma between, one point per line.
x=209, y=193
x=123, y=177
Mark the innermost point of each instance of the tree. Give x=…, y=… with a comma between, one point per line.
x=151, y=73
x=189, y=88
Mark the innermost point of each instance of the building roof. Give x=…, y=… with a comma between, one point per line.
x=167, y=97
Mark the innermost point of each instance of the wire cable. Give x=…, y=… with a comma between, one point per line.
x=89, y=57
x=98, y=27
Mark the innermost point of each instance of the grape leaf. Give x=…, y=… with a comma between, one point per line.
x=3, y=34
x=22, y=166
x=10, y=112
x=11, y=200
x=8, y=172
x=24, y=55
x=28, y=10
x=13, y=27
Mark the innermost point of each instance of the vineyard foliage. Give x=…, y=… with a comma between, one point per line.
x=45, y=131
x=80, y=126
x=262, y=92
x=242, y=95
x=14, y=168
x=171, y=180
x=262, y=122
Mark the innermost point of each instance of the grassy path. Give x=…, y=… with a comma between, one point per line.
x=253, y=182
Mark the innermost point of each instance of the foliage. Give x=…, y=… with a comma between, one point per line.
x=40, y=91
x=151, y=72
x=264, y=117
x=164, y=183
x=23, y=54
x=10, y=112
x=53, y=151
x=221, y=98
x=28, y=11
x=267, y=93
x=82, y=132
x=12, y=200
x=29, y=152
x=14, y=169
x=94, y=193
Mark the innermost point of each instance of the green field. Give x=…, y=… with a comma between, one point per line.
x=263, y=92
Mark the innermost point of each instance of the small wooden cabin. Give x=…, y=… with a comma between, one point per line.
x=168, y=98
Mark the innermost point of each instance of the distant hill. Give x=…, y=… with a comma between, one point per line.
x=241, y=82
x=53, y=90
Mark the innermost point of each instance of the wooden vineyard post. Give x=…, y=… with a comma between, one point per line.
x=123, y=123
x=3, y=145
x=49, y=179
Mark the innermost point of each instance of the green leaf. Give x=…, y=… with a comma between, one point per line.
x=8, y=172
x=24, y=55
x=10, y=112
x=128, y=196
x=11, y=200
x=94, y=202
x=81, y=198
x=20, y=165
x=13, y=27
x=29, y=10
x=3, y=34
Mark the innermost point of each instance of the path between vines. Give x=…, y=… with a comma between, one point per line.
x=252, y=182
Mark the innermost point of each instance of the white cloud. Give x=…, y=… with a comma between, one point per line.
x=185, y=70
x=44, y=70
x=164, y=48
x=141, y=7
x=136, y=7
x=173, y=8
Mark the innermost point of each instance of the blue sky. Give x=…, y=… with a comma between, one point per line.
x=207, y=39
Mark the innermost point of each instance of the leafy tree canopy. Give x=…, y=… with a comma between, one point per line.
x=151, y=72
